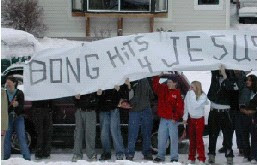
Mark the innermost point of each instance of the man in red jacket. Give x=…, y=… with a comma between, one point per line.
x=170, y=110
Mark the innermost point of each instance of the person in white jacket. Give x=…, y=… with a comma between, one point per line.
x=195, y=101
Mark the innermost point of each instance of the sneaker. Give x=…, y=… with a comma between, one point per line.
x=158, y=160
x=93, y=158
x=148, y=157
x=253, y=161
x=75, y=158
x=38, y=157
x=211, y=159
x=229, y=160
x=173, y=160
x=245, y=160
x=201, y=163
x=105, y=156
x=129, y=158
x=222, y=150
x=191, y=162
x=119, y=157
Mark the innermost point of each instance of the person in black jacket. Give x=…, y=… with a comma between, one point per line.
x=219, y=116
x=248, y=106
x=16, y=119
x=42, y=118
x=110, y=120
x=238, y=81
x=85, y=117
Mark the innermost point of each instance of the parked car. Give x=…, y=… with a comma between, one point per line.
x=64, y=119
x=248, y=12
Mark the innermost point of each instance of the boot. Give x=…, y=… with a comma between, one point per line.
x=229, y=160
x=105, y=156
x=211, y=159
x=75, y=158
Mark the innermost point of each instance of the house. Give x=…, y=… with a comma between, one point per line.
x=77, y=19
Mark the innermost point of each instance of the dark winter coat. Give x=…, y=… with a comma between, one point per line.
x=110, y=98
x=87, y=102
x=19, y=110
x=220, y=93
x=252, y=104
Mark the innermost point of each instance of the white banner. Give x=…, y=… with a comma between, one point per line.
x=56, y=73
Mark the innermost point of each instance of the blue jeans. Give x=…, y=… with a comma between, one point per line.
x=110, y=127
x=18, y=125
x=145, y=119
x=168, y=129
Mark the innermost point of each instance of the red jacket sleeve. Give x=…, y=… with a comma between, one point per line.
x=179, y=107
x=157, y=87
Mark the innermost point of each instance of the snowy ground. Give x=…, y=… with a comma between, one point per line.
x=65, y=158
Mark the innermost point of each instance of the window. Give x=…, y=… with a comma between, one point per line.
x=103, y=5
x=122, y=5
x=135, y=5
x=161, y=5
x=208, y=4
x=76, y=5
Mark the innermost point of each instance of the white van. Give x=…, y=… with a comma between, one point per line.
x=248, y=12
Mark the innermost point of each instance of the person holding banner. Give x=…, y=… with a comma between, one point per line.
x=219, y=116
x=140, y=115
x=16, y=119
x=110, y=120
x=42, y=118
x=248, y=106
x=170, y=110
x=238, y=80
x=85, y=119
x=195, y=101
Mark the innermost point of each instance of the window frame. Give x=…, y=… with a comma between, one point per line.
x=124, y=11
x=219, y=6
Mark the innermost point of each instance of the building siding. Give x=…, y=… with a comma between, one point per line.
x=181, y=17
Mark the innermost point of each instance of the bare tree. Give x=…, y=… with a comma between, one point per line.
x=23, y=15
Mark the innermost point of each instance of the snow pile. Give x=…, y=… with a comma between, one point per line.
x=17, y=43
x=17, y=37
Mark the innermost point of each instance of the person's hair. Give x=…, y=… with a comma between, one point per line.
x=173, y=79
x=253, y=78
x=199, y=89
x=14, y=80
